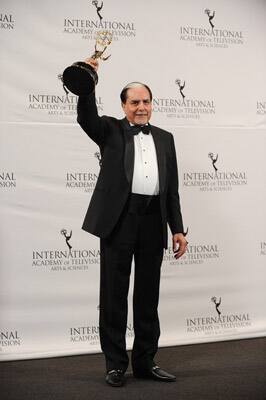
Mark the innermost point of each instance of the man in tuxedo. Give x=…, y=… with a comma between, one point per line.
x=136, y=195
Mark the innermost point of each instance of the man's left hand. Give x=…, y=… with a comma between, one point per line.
x=179, y=244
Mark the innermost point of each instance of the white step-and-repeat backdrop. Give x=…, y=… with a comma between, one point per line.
x=205, y=62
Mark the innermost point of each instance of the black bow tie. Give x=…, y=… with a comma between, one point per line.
x=135, y=129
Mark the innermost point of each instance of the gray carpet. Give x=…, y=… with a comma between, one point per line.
x=234, y=370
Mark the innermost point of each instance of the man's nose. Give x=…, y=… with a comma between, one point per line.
x=141, y=105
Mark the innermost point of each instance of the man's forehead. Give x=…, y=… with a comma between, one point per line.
x=138, y=93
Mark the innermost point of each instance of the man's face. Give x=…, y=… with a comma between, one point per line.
x=137, y=107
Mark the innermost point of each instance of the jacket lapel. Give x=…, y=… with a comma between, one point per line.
x=157, y=137
x=129, y=151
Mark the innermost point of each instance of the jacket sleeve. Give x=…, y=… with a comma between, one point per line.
x=89, y=120
x=174, y=216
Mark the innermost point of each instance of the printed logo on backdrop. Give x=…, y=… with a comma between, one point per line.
x=7, y=21
x=210, y=17
x=218, y=322
x=211, y=33
x=98, y=8
x=263, y=249
x=9, y=338
x=67, y=238
x=65, y=257
x=182, y=106
x=56, y=105
x=99, y=158
x=213, y=160
x=261, y=107
x=90, y=334
x=7, y=180
x=97, y=20
x=215, y=179
x=85, y=181
x=217, y=304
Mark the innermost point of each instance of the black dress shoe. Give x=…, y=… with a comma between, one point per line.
x=115, y=377
x=156, y=373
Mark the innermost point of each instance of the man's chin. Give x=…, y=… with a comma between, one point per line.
x=141, y=120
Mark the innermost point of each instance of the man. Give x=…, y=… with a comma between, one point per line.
x=136, y=195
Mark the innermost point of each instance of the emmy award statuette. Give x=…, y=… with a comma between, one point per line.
x=80, y=78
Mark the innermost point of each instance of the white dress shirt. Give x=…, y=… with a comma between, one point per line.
x=145, y=175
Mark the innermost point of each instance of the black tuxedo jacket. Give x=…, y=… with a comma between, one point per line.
x=113, y=186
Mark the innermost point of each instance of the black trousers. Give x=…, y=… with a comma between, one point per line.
x=139, y=234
